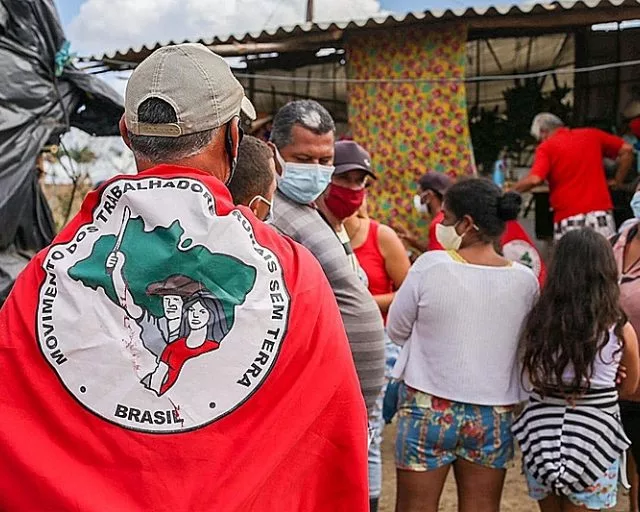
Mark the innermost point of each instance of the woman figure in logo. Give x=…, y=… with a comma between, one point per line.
x=203, y=326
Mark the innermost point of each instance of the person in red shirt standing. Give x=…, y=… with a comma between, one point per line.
x=571, y=161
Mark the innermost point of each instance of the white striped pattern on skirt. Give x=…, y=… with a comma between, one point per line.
x=567, y=445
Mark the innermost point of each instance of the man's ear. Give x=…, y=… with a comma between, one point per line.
x=124, y=133
x=274, y=150
x=235, y=137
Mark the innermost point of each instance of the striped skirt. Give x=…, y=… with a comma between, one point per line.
x=567, y=445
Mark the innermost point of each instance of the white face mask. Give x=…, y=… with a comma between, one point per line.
x=303, y=183
x=419, y=205
x=448, y=237
x=267, y=219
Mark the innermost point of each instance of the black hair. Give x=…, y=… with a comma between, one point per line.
x=570, y=322
x=253, y=175
x=485, y=202
x=165, y=149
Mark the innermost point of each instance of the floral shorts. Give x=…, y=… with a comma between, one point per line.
x=434, y=432
x=603, y=494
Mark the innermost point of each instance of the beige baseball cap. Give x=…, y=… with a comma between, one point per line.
x=196, y=82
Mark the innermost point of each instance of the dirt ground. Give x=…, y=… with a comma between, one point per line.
x=514, y=497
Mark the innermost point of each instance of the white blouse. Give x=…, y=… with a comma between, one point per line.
x=459, y=325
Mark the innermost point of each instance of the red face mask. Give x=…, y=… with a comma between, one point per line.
x=342, y=201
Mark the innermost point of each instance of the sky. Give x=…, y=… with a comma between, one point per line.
x=95, y=27
x=99, y=26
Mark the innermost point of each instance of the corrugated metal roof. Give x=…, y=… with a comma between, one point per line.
x=327, y=32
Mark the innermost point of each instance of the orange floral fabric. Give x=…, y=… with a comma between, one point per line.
x=409, y=128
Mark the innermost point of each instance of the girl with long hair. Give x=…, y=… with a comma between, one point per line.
x=573, y=342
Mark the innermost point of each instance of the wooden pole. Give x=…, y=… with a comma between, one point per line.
x=309, y=16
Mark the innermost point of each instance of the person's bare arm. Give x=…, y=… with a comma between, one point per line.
x=527, y=183
x=628, y=388
x=539, y=171
x=625, y=160
x=396, y=263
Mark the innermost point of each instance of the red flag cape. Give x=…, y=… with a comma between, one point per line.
x=518, y=246
x=171, y=352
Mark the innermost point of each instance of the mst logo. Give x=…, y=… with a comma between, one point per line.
x=162, y=319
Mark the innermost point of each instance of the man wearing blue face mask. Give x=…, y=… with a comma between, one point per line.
x=302, y=139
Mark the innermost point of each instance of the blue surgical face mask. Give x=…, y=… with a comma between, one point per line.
x=635, y=205
x=303, y=183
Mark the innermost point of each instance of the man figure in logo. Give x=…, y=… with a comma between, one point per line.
x=155, y=333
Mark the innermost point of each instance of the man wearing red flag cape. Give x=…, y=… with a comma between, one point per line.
x=169, y=351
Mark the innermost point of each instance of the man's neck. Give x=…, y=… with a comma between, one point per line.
x=219, y=170
x=435, y=208
x=173, y=324
x=333, y=221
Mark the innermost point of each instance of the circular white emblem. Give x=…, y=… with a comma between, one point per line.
x=522, y=252
x=159, y=315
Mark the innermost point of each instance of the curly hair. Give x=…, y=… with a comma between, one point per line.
x=570, y=323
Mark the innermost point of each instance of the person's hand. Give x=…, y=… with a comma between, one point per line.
x=621, y=374
x=408, y=238
x=115, y=260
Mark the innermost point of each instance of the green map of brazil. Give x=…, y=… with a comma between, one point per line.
x=154, y=256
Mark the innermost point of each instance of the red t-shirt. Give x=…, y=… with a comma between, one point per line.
x=434, y=245
x=571, y=161
x=516, y=245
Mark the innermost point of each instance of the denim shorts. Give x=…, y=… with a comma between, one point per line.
x=602, y=494
x=434, y=432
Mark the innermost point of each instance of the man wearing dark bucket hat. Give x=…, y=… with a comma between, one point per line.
x=255, y=406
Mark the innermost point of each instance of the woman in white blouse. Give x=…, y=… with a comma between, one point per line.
x=458, y=316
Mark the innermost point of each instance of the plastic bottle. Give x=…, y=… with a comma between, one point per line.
x=498, y=172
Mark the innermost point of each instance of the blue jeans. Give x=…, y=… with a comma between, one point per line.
x=391, y=352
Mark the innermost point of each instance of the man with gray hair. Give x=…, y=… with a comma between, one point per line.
x=571, y=160
x=302, y=139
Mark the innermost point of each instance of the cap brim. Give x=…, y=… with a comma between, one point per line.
x=247, y=107
x=341, y=169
